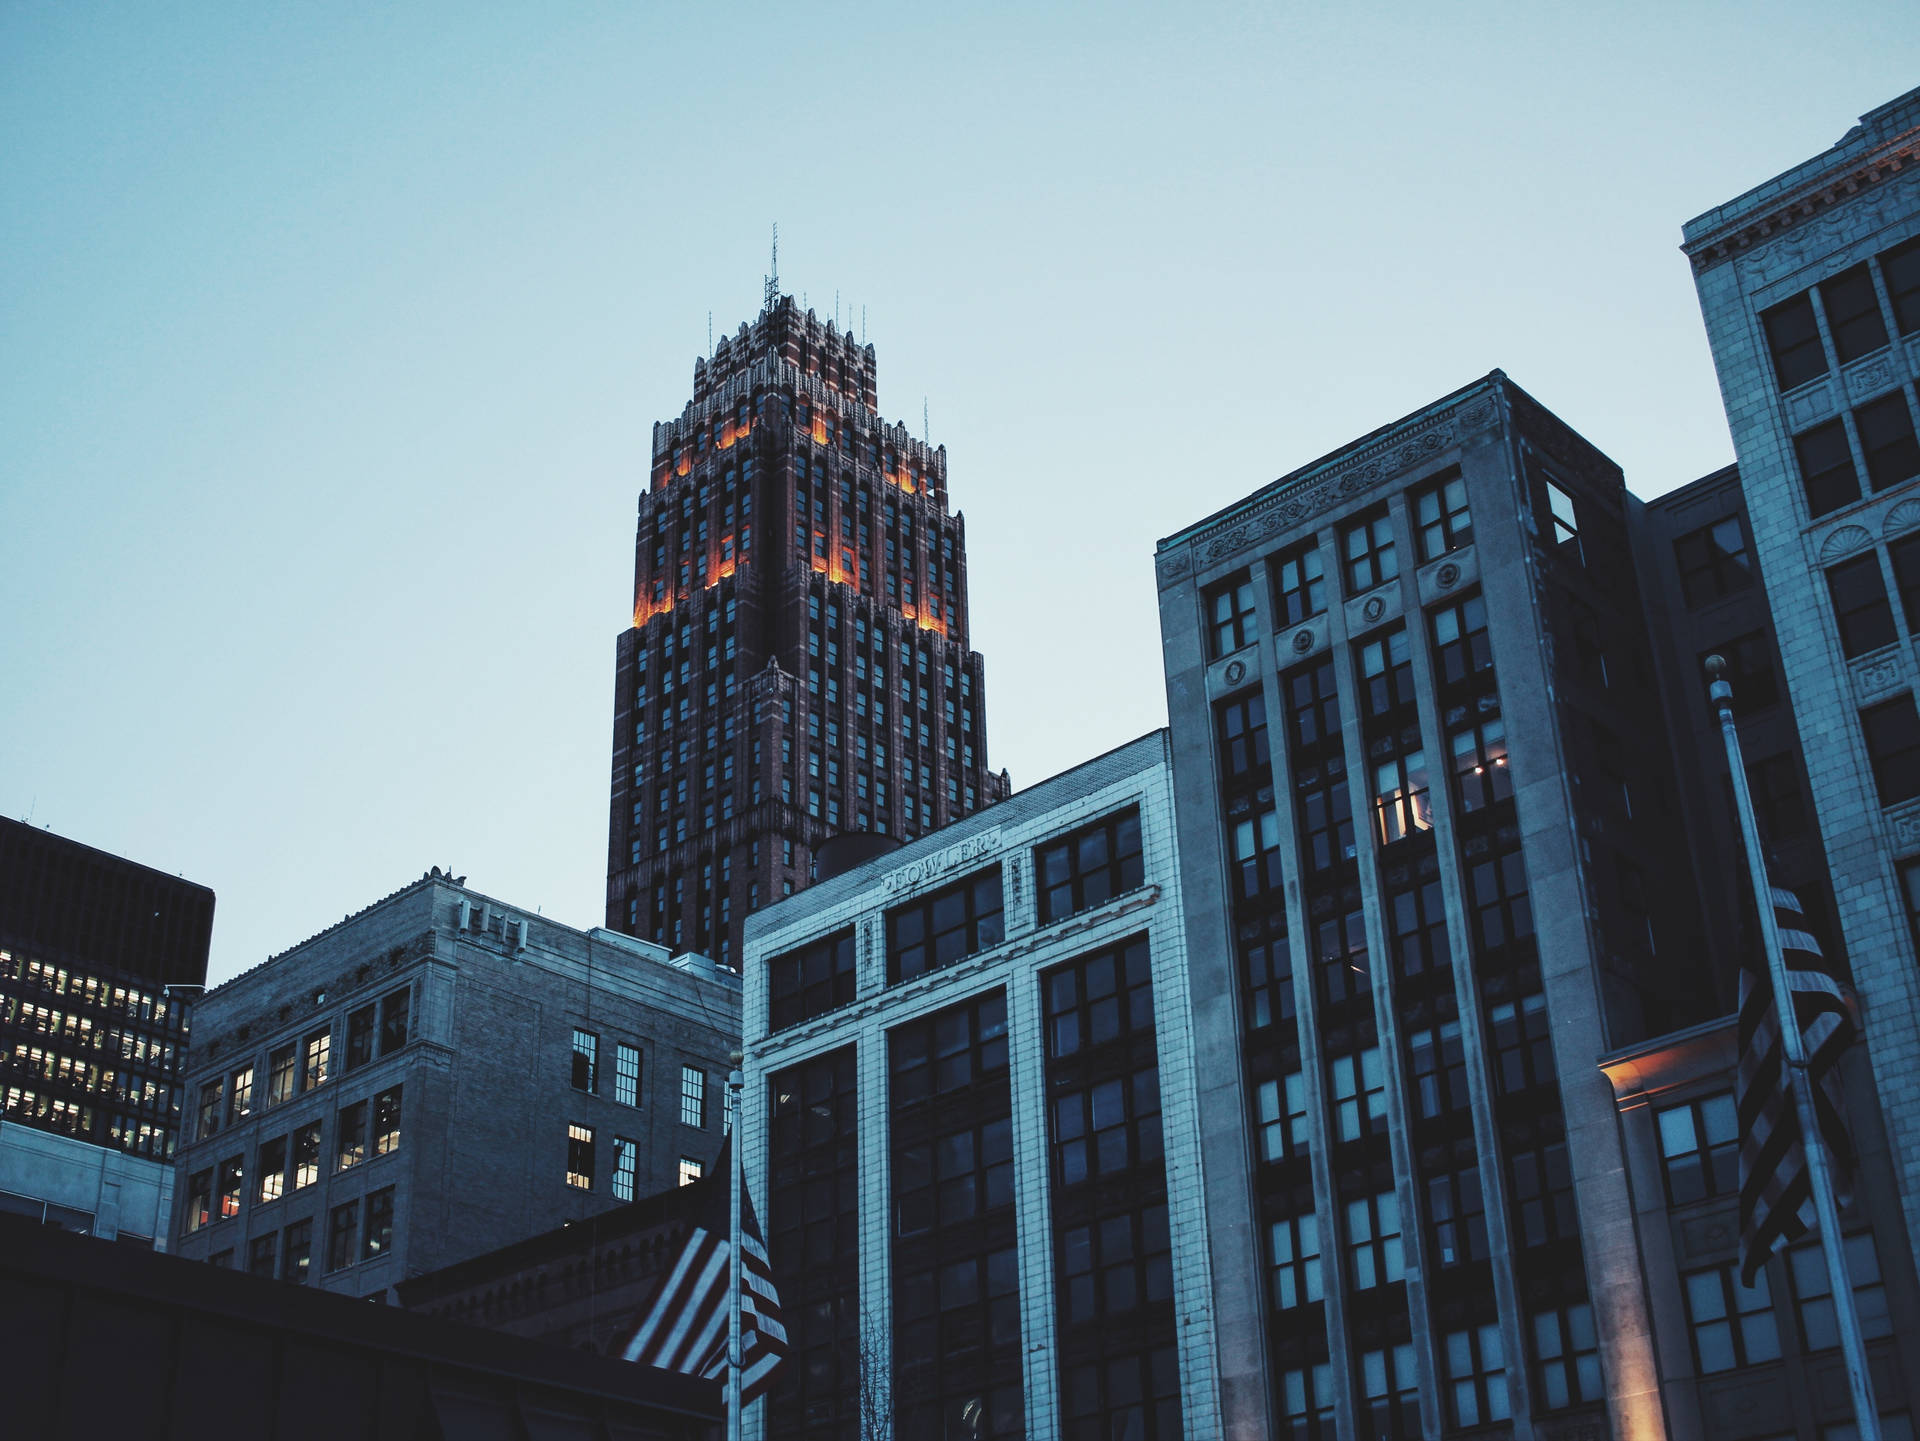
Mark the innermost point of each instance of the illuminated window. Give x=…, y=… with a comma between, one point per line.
x=1367, y=552
x=240, y=1095
x=306, y=1156
x=1441, y=517
x=1480, y=765
x=580, y=1157
x=1402, y=805
x=1732, y=1325
x=232, y=1173
x=693, y=1097
x=386, y=1121
x=1699, y=1148
x=1293, y=1262
x=1299, y=585
x=626, y=1165
x=272, y=1169
x=1713, y=561
x=318, y=1050
x=1231, y=622
x=350, y=1136
x=1793, y=339
x=690, y=1171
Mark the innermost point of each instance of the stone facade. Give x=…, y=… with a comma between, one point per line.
x=1037, y=1369
x=1808, y=244
x=452, y=1104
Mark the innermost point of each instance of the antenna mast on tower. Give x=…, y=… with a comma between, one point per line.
x=773, y=279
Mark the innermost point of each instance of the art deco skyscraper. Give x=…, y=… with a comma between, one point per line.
x=798, y=663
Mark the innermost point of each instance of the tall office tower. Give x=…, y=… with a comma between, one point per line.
x=1810, y=287
x=798, y=662
x=971, y=1113
x=92, y=1033
x=1411, y=697
x=437, y=1076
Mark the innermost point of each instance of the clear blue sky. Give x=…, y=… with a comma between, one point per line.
x=331, y=338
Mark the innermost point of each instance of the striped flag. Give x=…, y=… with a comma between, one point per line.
x=685, y=1325
x=1776, y=1196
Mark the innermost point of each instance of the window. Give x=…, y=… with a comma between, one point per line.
x=272, y=1166
x=296, y=1255
x=1282, y=1127
x=1136, y=1396
x=1390, y=1388
x=949, y=1050
x=1299, y=585
x=586, y=1061
x=1750, y=670
x=1231, y=622
x=1440, y=515
x=1293, y=1264
x=1089, y=867
x=306, y=1156
x=1853, y=314
x=395, y=1020
x=318, y=1049
x=1476, y=1376
x=221, y=1260
x=693, y=1097
x=1417, y=930
x=626, y=1074
x=199, y=1209
x=1773, y=782
x=1894, y=1426
x=386, y=1121
x=1893, y=746
x=1374, y=1255
x=1542, y=1195
x=953, y=1177
x=1887, y=441
x=212, y=1103
x=626, y=1166
x=1500, y=913
x=240, y=1095
x=1480, y=765
x=940, y=929
x=1460, y=648
x=1341, y=959
x=1402, y=805
x=1437, y=1070
x=1860, y=606
x=1813, y=1295
x=1359, y=1095
x=1566, y=519
x=350, y=1136
x=342, y=1222
x=1793, y=337
x=1566, y=1357
x=1900, y=268
x=1306, y=1400
x=1313, y=706
x=263, y=1256
x=1386, y=672
x=360, y=1030
x=690, y=1171
x=1366, y=547
x=377, y=1238
x=1522, y=1052
x=1910, y=892
x=1699, y=1148
x=1713, y=561
x=1242, y=727
x=1106, y=1128
x=580, y=1156
x=1826, y=468
x=810, y=981
x=1266, y=959
x=1256, y=855
x=1732, y=1325
x=1458, y=1214
x=1905, y=555
x=1326, y=825
x=1098, y=998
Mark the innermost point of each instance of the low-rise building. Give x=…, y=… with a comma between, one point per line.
x=437, y=1076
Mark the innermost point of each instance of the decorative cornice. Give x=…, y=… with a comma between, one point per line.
x=1809, y=202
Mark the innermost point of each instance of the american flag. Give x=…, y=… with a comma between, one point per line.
x=685, y=1325
x=1776, y=1196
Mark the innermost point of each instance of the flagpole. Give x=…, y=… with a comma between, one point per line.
x=1819, y=1168
x=736, y=1083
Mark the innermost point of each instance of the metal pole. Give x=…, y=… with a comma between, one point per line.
x=736, y=1083
x=1819, y=1169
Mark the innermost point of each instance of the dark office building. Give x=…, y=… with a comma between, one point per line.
x=89, y=944
x=798, y=663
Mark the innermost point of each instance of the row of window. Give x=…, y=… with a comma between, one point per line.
x=583, y=1165
x=376, y=1029
x=1845, y=317
x=584, y=1073
x=290, y=1163
x=1875, y=439
x=1072, y=873
x=1734, y=1325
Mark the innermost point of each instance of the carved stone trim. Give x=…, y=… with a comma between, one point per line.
x=1844, y=541
x=1808, y=235
x=1903, y=825
x=1904, y=516
x=1877, y=672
